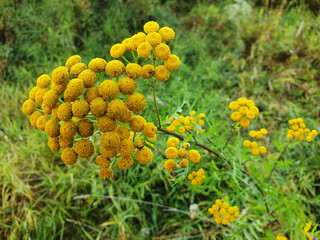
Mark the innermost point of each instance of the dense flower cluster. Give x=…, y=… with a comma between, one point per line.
x=181, y=124
x=151, y=44
x=255, y=148
x=300, y=131
x=197, y=177
x=223, y=213
x=184, y=154
x=281, y=238
x=244, y=111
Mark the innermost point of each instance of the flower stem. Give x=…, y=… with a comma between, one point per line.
x=125, y=59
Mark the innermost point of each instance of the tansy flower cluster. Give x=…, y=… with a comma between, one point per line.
x=223, y=213
x=149, y=45
x=300, y=131
x=244, y=111
x=181, y=124
x=183, y=155
x=258, y=134
x=255, y=149
x=281, y=238
x=197, y=177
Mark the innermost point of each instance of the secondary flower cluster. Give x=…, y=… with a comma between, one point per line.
x=150, y=44
x=184, y=154
x=255, y=149
x=244, y=111
x=197, y=177
x=181, y=123
x=299, y=131
x=223, y=213
x=281, y=238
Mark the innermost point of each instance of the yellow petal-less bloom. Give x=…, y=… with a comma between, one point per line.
x=109, y=89
x=181, y=130
x=39, y=95
x=32, y=93
x=59, y=88
x=193, y=156
x=43, y=81
x=34, y=117
x=171, y=153
x=173, y=142
x=134, y=70
x=115, y=68
x=254, y=144
x=126, y=147
x=41, y=122
x=127, y=85
x=235, y=116
x=250, y=103
x=262, y=150
x=144, y=49
x=105, y=173
x=126, y=43
x=314, y=132
x=255, y=110
x=144, y=155
x=60, y=75
x=137, y=123
x=108, y=153
x=170, y=165
x=183, y=163
x=68, y=156
x=65, y=142
x=68, y=129
x=97, y=64
x=110, y=140
x=162, y=51
x=53, y=144
x=162, y=73
x=244, y=122
x=182, y=152
x=106, y=124
x=154, y=38
x=88, y=77
x=166, y=33
x=117, y=50
x=85, y=127
x=243, y=110
x=80, y=108
x=52, y=128
x=151, y=26
x=125, y=162
x=98, y=107
x=77, y=69
x=149, y=130
x=147, y=71
x=234, y=105
x=28, y=107
x=50, y=98
x=186, y=145
x=84, y=148
x=103, y=162
x=250, y=115
x=242, y=101
x=259, y=135
x=253, y=134
x=246, y=144
x=116, y=108
x=91, y=94
x=123, y=132
x=173, y=62
x=72, y=61
x=136, y=102
x=74, y=89
x=136, y=39
x=264, y=131
x=255, y=151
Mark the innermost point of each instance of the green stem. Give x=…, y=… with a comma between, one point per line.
x=230, y=136
x=125, y=59
x=146, y=80
x=133, y=55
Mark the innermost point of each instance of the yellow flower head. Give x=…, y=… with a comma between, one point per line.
x=154, y=38
x=123, y=132
x=182, y=152
x=151, y=26
x=106, y=124
x=110, y=140
x=80, y=108
x=173, y=62
x=173, y=142
x=52, y=128
x=116, y=108
x=144, y=155
x=244, y=122
x=98, y=107
x=126, y=43
x=115, y=68
x=68, y=129
x=72, y=61
x=125, y=162
x=136, y=102
x=170, y=165
x=60, y=75
x=105, y=173
x=136, y=39
x=186, y=145
x=34, y=117
x=144, y=49
x=148, y=71
x=68, y=156
x=183, y=163
x=65, y=111
x=246, y=144
x=103, y=162
x=88, y=77
x=127, y=85
x=134, y=70
x=117, y=50
x=74, y=89
x=53, y=144
x=126, y=147
x=108, y=153
x=162, y=51
x=84, y=148
x=91, y=94
x=28, y=107
x=242, y=101
x=85, y=127
x=234, y=105
x=162, y=73
x=262, y=150
x=39, y=95
x=50, y=98
x=77, y=69
x=43, y=81
x=65, y=142
x=193, y=156
x=137, y=123
x=166, y=33
x=59, y=88
x=32, y=93
x=97, y=64
x=108, y=89
x=235, y=116
x=149, y=130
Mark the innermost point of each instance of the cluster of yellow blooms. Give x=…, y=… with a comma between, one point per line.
x=244, y=111
x=184, y=154
x=197, y=177
x=74, y=105
x=255, y=149
x=223, y=213
x=299, y=131
x=152, y=43
x=281, y=238
x=186, y=123
x=306, y=230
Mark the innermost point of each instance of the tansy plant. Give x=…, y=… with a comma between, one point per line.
x=77, y=101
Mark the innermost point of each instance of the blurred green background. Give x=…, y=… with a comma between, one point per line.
x=267, y=51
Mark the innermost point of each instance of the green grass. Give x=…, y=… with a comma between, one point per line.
x=259, y=55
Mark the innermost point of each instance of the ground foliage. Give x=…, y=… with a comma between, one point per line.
x=266, y=51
